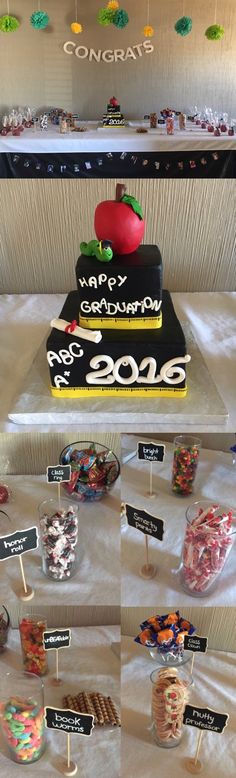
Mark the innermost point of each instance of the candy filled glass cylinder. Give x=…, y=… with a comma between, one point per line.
x=22, y=716
x=186, y=456
x=169, y=698
x=59, y=533
x=31, y=628
x=208, y=541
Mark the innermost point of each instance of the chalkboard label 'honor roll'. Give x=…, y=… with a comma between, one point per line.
x=195, y=643
x=69, y=721
x=205, y=718
x=18, y=543
x=151, y=452
x=58, y=474
x=57, y=638
x=149, y=525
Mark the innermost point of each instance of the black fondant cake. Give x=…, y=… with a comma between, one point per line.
x=129, y=295
x=152, y=364
x=118, y=334
x=113, y=117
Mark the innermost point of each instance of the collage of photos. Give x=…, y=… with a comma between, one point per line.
x=117, y=388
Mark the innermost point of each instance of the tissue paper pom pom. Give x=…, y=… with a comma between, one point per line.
x=105, y=16
x=148, y=31
x=184, y=25
x=215, y=32
x=9, y=23
x=121, y=19
x=113, y=4
x=39, y=20
x=76, y=27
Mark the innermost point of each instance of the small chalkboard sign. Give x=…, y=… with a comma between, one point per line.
x=151, y=452
x=144, y=522
x=69, y=721
x=205, y=718
x=57, y=638
x=195, y=643
x=18, y=543
x=58, y=474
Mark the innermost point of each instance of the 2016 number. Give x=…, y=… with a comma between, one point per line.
x=171, y=373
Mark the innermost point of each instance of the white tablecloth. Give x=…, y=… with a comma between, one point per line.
x=213, y=684
x=90, y=664
x=105, y=140
x=24, y=322
x=215, y=481
x=99, y=538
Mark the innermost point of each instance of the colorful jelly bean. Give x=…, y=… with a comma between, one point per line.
x=184, y=469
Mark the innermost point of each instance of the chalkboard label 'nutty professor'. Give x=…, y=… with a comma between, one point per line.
x=205, y=718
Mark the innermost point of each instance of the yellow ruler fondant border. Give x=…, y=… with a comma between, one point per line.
x=97, y=391
x=121, y=324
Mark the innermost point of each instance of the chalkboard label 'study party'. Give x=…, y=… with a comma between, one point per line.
x=69, y=721
x=149, y=525
x=57, y=638
x=18, y=543
x=152, y=452
x=57, y=474
x=205, y=718
x=195, y=643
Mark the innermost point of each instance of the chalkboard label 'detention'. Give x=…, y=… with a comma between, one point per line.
x=195, y=643
x=149, y=525
x=151, y=452
x=18, y=543
x=58, y=474
x=56, y=638
x=205, y=718
x=69, y=721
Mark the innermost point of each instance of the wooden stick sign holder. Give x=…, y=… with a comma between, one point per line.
x=71, y=722
x=150, y=526
x=58, y=474
x=205, y=719
x=151, y=452
x=16, y=544
x=54, y=640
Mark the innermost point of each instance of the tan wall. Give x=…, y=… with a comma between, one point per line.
x=43, y=223
x=181, y=72
x=29, y=454
x=218, y=624
x=69, y=615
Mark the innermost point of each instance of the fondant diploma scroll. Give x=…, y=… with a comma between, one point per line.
x=95, y=336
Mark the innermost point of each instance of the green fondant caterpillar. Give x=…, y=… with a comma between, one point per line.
x=102, y=250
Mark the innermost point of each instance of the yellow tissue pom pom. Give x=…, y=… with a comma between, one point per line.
x=148, y=31
x=76, y=27
x=113, y=5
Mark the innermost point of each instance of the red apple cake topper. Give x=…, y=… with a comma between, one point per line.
x=121, y=220
x=114, y=101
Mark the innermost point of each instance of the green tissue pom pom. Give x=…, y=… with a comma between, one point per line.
x=120, y=18
x=184, y=25
x=39, y=20
x=105, y=16
x=215, y=32
x=9, y=23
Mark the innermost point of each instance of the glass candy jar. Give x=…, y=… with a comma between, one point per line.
x=186, y=455
x=4, y=626
x=94, y=470
x=169, y=658
x=22, y=716
x=59, y=526
x=169, y=697
x=31, y=629
x=208, y=539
